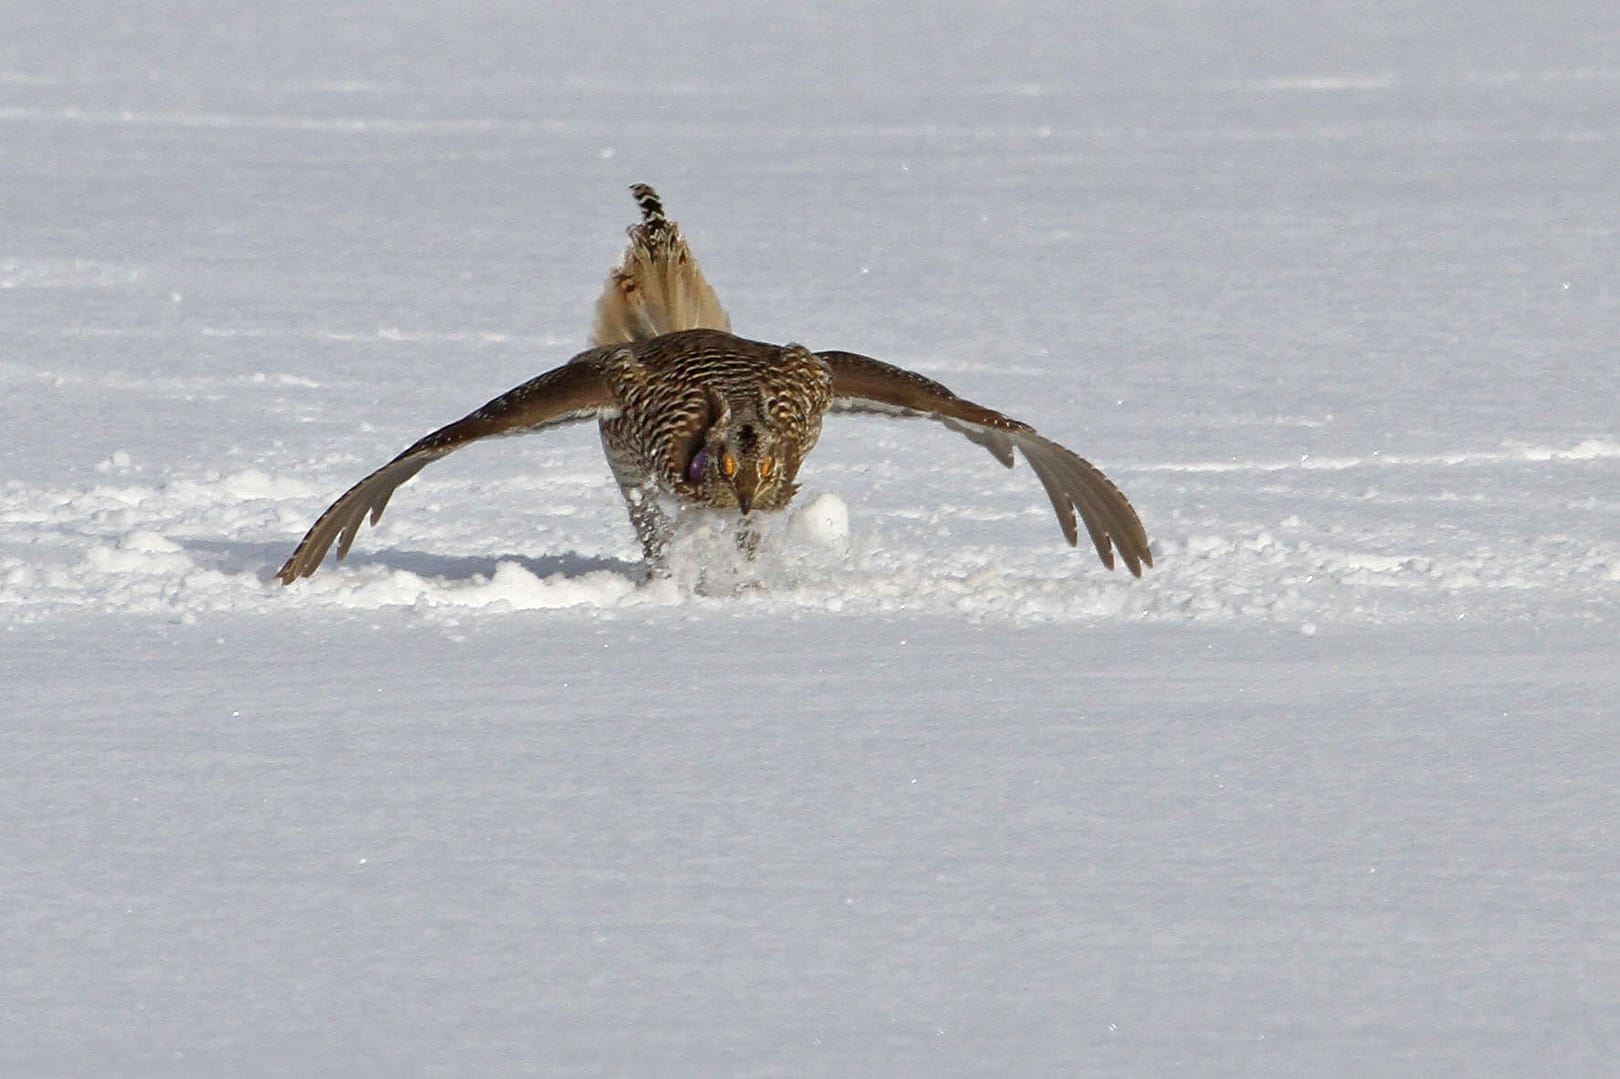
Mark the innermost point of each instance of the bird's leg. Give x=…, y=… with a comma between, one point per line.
x=652, y=524
x=640, y=493
x=748, y=533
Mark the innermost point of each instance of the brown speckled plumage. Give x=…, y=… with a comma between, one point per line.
x=691, y=414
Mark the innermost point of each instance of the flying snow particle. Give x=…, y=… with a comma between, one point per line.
x=822, y=522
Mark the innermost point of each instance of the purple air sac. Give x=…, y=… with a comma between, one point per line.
x=694, y=471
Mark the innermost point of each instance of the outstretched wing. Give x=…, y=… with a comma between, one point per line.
x=576, y=391
x=862, y=384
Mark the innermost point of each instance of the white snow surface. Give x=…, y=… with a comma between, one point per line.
x=1331, y=292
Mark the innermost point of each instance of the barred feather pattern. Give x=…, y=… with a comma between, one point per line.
x=682, y=391
x=657, y=287
x=692, y=414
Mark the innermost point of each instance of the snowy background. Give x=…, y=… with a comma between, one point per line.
x=1330, y=291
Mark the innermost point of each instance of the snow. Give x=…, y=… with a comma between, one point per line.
x=1330, y=293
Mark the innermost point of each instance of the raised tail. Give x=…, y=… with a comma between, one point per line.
x=657, y=287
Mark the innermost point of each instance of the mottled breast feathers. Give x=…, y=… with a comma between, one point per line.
x=691, y=414
x=676, y=390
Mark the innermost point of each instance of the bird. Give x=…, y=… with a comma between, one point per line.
x=692, y=415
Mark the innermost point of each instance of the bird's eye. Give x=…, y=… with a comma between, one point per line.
x=765, y=467
x=728, y=465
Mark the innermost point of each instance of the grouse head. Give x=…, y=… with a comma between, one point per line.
x=743, y=462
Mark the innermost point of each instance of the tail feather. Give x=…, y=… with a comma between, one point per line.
x=657, y=287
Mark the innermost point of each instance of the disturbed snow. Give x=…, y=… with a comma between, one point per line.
x=1330, y=294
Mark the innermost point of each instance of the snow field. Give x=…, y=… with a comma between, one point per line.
x=1328, y=291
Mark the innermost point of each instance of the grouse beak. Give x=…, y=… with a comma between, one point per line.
x=745, y=487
